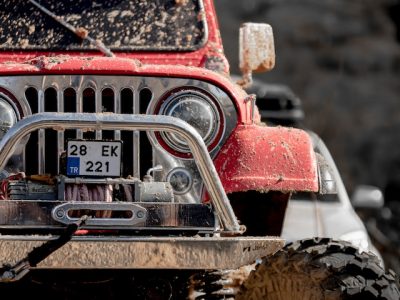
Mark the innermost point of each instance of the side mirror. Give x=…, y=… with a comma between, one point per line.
x=256, y=50
x=367, y=197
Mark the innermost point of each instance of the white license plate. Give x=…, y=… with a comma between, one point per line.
x=94, y=158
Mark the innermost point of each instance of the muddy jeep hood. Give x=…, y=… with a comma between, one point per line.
x=100, y=65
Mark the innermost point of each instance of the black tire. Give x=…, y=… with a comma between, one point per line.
x=320, y=269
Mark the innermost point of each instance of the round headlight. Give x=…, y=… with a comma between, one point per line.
x=8, y=117
x=196, y=109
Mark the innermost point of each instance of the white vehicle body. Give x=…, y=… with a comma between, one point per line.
x=314, y=215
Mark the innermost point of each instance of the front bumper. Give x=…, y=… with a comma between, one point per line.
x=144, y=252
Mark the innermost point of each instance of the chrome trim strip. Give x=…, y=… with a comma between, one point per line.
x=117, y=110
x=136, y=137
x=60, y=133
x=98, y=103
x=144, y=252
x=41, y=136
x=79, y=108
x=196, y=144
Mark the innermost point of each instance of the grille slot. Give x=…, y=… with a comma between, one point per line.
x=31, y=149
x=49, y=145
x=145, y=96
x=50, y=148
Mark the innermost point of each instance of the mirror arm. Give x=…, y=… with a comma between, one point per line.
x=247, y=80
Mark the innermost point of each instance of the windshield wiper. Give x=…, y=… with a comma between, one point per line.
x=78, y=31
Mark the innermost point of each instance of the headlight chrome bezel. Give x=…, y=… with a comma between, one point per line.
x=180, y=96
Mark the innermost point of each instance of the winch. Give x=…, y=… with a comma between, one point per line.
x=88, y=189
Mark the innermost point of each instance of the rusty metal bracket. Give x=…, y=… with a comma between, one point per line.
x=252, y=99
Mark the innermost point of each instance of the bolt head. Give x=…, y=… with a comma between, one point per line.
x=60, y=213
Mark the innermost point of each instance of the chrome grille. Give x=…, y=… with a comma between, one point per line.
x=49, y=145
x=99, y=93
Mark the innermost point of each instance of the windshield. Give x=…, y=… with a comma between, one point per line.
x=177, y=25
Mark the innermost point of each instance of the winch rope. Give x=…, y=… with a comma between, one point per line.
x=91, y=193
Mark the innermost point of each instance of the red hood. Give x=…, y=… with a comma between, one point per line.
x=100, y=65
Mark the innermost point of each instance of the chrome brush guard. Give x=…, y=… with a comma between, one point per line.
x=98, y=121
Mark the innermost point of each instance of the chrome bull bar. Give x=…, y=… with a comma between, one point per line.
x=98, y=121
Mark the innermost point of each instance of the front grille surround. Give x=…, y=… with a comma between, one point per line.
x=104, y=94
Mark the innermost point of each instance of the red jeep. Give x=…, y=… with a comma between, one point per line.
x=132, y=164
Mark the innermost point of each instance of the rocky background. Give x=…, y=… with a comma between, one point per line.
x=342, y=57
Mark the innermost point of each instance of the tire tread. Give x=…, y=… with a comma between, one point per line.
x=336, y=268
